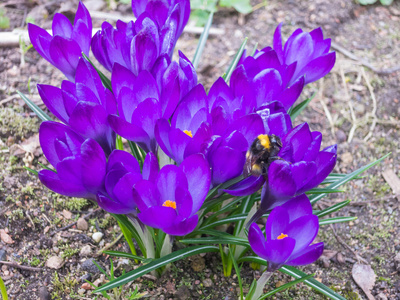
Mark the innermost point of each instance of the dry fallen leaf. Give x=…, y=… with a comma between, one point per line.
x=5, y=237
x=364, y=276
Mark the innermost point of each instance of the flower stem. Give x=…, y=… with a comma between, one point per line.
x=260, y=284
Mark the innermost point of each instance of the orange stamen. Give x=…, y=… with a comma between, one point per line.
x=170, y=203
x=282, y=236
x=188, y=132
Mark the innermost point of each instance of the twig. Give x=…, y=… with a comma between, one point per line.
x=30, y=219
x=8, y=99
x=363, y=62
x=325, y=107
x=14, y=265
x=100, y=252
x=72, y=224
x=374, y=106
x=343, y=243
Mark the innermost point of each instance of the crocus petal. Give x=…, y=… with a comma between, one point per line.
x=297, y=207
x=246, y=186
x=150, y=167
x=280, y=179
x=158, y=217
x=169, y=178
x=61, y=26
x=256, y=240
x=197, y=171
x=115, y=207
x=276, y=224
x=122, y=157
x=180, y=228
x=277, y=252
x=93, y=165
x=226, y=163
x=303, y=230
x=319, y=67
x=53, y=99
x=53, y=182
x=309, y=255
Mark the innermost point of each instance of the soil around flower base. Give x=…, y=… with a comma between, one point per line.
x=31, y=216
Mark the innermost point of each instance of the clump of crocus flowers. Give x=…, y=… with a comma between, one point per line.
x=185, y=141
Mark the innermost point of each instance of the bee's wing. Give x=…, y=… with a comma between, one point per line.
x=248, y=166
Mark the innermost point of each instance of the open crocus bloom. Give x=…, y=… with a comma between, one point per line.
x=170, y=200
x=289, y=232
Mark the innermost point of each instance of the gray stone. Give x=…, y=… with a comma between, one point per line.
x=85, y=277
x=44, y=293
x=89, y=266
x=86, y=251
x=82, y=224
x=381, y=296
x=54, y=262
x=183, y=293
x=3, y=254
x=207, y=282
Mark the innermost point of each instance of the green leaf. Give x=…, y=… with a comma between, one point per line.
x=237, y=270
x=122, y=219
x=323, y=191
x=235, y=61
x=128, y=255
x=366, y=2
x=3, y=290
x=286, y=286
x=242, y=6
x=347, y=178
x=31, y=170
x=336, y=220
x=155, y=264
x=36, y=109
x=294, y=112
x=104, y=79
x=332, y=209
x=202, y=41
x=386, y=2
x=316, y=285
x=228, y=240
x=231, y=219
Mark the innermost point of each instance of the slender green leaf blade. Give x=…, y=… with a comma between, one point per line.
x=235, y=61
x=336, y=220
x=36, y=109
x=218, y=240
x=347, y=178
x=155, y=264
x=300, y=107
x=316, y=285
x=286, y=286
x=3, y=290
x=34, y=172
x=324, y=191
x=332, y=209
x=128, y=255
x=202, y=41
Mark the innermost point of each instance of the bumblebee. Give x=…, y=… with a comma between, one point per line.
x=262, y=152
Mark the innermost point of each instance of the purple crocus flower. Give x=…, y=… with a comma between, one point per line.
x=302, y=167
x=84, y=105
x=308, y=52
x=289, y=232
x=64, y=48
x=171, y=200
x=137, y=45
x=123, y=172
x=80, y=163
x=262, y=79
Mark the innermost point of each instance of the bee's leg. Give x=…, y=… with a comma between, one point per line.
x=274, y=158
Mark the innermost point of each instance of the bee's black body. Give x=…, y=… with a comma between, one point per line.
x=263, y=151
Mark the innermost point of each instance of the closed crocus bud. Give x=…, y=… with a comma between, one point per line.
x=308, y=52
x=123, y=172
x=83, y=105
x=80, y=163
x=170, y=201
x=64, y=48
x=289, y=233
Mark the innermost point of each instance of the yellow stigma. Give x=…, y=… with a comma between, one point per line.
x=188, y=132
x=170, y=203
x=264, y=140
x=282, y=236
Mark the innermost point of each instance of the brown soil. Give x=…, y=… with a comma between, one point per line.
x=30, y=213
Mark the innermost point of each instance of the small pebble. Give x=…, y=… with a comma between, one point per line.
x=54, y=262
x=85, y=251
x=44, y=293
x=82, y=224
x=97, y=236
x=86, y=286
